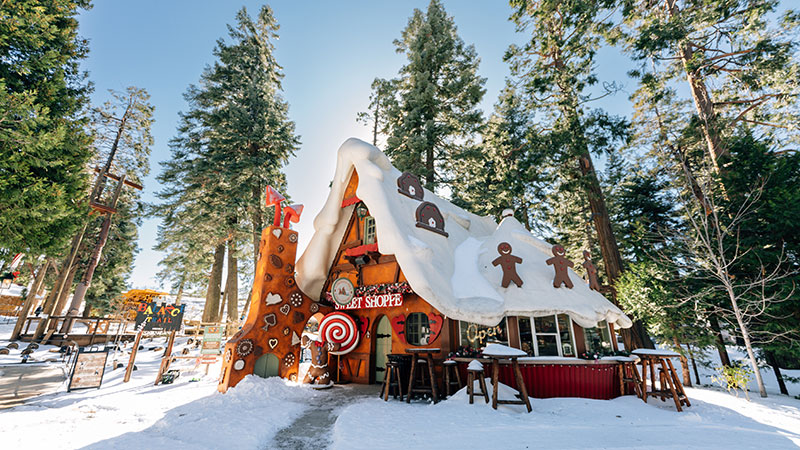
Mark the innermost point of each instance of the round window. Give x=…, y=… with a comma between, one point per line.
x=418, y=329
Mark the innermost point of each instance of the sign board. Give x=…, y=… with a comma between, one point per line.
x=163, y=317
x=88, y=370
x=373, y=301
x=212, y=341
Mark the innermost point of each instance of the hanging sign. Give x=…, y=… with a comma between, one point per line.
x=212, y=341
x=342, y=291
x=162, y=317
x=88, y=370
x=373, y=301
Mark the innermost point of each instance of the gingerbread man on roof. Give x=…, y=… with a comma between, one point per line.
x=560, y=264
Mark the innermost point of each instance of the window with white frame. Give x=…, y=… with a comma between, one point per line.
x=477, y=336
x=598, y=339
x=369, y=230
x=546, y=335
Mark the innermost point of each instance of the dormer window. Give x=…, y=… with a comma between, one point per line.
x=369, y=230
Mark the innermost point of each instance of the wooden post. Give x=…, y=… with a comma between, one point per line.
x=30, y=300
x=132, y=360
x=166, y=358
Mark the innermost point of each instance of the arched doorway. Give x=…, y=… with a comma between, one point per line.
x=383, y=346
x=267, y=366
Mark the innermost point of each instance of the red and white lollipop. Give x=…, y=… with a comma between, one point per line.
x=339, y=328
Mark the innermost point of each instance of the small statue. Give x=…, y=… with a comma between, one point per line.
x=560, y=264
x=591, y=271
x=508, y=263
x=318, y=373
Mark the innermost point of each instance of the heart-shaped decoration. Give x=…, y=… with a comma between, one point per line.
x=435, y=322
x=363, y=324
x=273, y=343
x=277, y=232
x=298, y=317
x=273, y=299
x=399, y=326
x=285, y=309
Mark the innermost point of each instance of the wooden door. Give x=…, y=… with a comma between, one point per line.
x=383, y=345
x=267, y=366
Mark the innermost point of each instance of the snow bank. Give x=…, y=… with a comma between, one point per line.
x=455, y=274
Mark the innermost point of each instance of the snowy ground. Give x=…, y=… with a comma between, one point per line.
x=271, y=413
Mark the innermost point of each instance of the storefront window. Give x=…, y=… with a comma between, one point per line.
x=546, y=336
x=598, y=339
x=418, y=330
x=477, y=336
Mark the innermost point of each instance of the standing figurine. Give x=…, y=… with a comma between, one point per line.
x=509, y=264
x=560, y=264
x=591, y=271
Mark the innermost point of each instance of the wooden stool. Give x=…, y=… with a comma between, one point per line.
x=669, y=384
x=628, y=373
x=392, y=380
x=475, y=371
x=425, y=357
x=451, y=366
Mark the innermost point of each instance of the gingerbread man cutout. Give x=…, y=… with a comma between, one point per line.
x=591, y=271
x=508, y=263
x=560, y=264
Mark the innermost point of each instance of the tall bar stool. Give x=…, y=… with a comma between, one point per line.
x=392, y=380
x=421, y=362
x=475, y=371
x=451, y=367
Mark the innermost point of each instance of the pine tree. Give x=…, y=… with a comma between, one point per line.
x=44, y=147
x=557, y=68
x=433, y=114
x=232, y=143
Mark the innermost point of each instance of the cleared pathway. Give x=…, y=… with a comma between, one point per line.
x=313, y=429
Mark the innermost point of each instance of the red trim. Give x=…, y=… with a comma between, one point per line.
x=361, y=249
x=350, y=201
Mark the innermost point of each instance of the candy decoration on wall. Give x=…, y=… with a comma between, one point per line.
x=288, y=359
x=508, y=263
x=273, y=299
x=429, y=218
x=399, y=327
x=245, y=347
x=560, y=264
x=272, y=343
x=285, y=309
x=295, y=338
x=296, y=299
x=339, y=328
x=314, y=308
x=591, y=271
x=269, y=321
x=409, y=185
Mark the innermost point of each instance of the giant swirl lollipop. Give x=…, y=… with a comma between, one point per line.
x=339, y=328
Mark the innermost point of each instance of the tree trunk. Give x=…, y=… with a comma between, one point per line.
x=257, y=222
x=52, y=299
x=687, y=379
x=719, y=342
x=702, y=100
x=214, y=280
x=375, y=126
x=636, y=336
x=775, y=368
x=64, y=295
x=180, y=291
x=746, y=336
x=430, y=168
x=694, y=365
x=30, y=300
x=232, y=287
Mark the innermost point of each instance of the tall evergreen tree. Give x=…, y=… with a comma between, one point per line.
x=232, y=143
x=44, y=146
x=432, y=114
x=556, y=67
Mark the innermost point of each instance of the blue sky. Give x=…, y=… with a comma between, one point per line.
x=330, y=51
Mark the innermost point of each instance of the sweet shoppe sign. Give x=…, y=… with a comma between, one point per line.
x=163, y=317
x=373, y=301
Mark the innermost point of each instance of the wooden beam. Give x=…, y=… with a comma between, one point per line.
x=117, y=178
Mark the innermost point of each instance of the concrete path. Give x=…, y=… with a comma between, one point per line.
x=313, y=429
x=19, y=382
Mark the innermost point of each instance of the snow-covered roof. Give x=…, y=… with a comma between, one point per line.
x=454, y=273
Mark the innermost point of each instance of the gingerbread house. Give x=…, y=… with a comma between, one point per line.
x=413, y=270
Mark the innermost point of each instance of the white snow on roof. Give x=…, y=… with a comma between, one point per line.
x=454, y=274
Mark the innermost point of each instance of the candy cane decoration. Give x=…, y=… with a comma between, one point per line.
x=339, y=328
